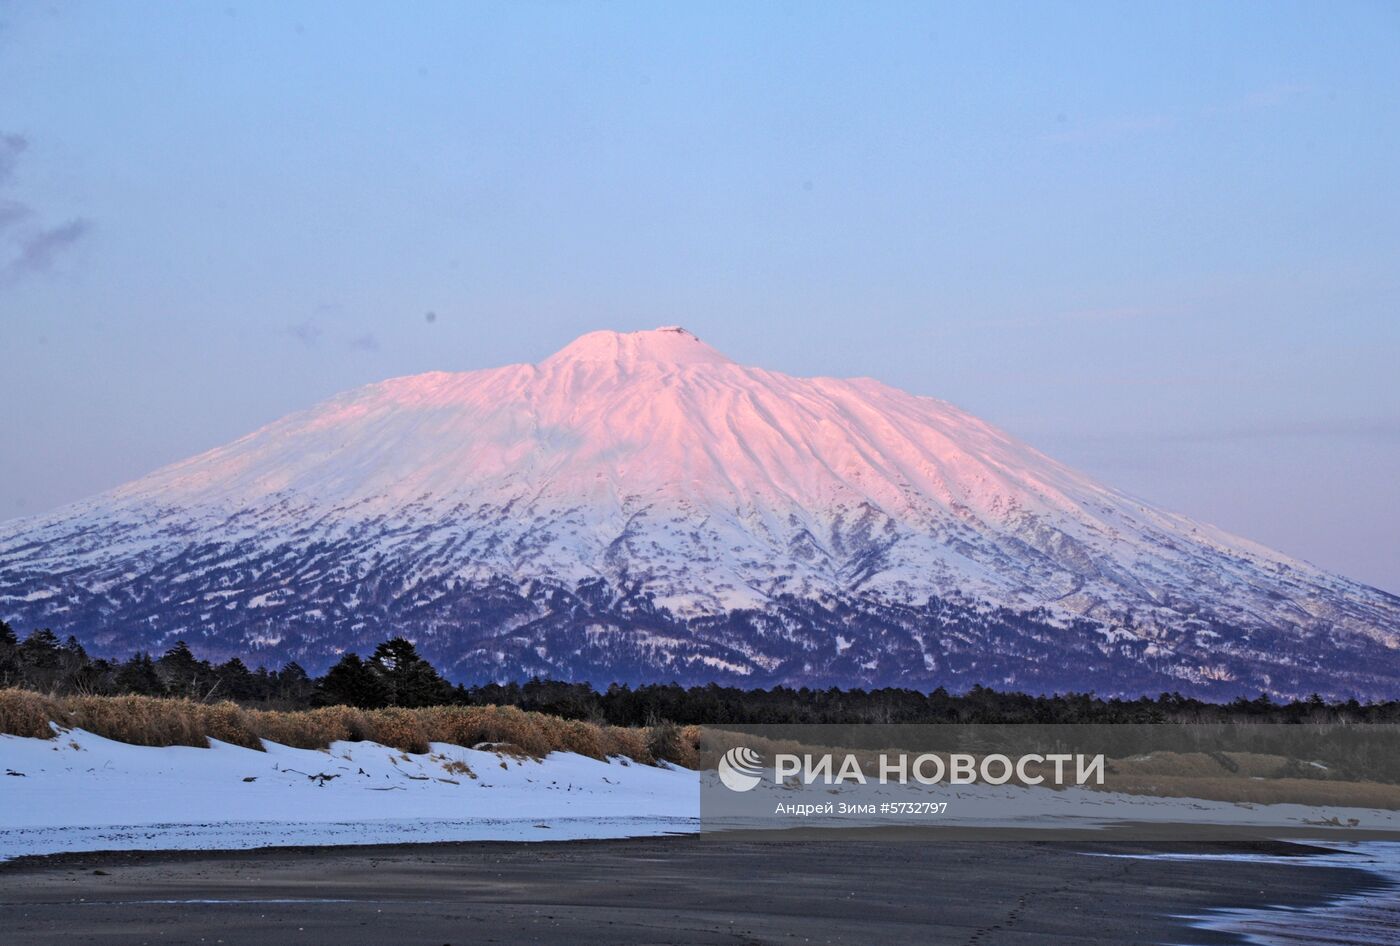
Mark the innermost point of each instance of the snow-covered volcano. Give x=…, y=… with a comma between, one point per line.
x=638, y=506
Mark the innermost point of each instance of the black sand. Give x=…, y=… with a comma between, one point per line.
x=660, y=890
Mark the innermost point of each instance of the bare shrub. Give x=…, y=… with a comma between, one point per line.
x=24, y=713
x=153, y=721
x=663, y=739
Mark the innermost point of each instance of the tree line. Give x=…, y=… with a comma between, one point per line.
x=394, y=674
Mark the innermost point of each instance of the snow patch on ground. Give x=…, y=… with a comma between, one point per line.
x=81, y=792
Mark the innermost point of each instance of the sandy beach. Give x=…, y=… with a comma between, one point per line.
x=655, y=890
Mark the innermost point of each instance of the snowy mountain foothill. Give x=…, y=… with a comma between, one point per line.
x=638, y=508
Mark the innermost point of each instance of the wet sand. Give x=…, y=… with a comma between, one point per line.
x=653, y=890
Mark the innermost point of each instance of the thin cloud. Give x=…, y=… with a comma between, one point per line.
x=1274, y=96
x=32, y=248
x=38, y=251
x=312, y=333
x=1269, y=97
x=12, y=212
x=1382, y=430
x=1370, y=430
x=307, y=332
x=1125, y=127
x=11, y=147
x=1074, y=317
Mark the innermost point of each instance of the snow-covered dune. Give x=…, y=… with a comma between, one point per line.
x=81, y=792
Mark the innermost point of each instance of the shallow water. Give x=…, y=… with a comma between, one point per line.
x=1367, y=919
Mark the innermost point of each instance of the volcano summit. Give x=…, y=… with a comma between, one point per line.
x=638, y=507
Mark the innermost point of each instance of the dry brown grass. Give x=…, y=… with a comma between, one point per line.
x=1247, y=777
x=150, y=721
x=456, y=767
x=1202, y=765
x=1242, y=777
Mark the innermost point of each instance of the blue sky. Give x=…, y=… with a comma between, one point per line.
x=1162, y=244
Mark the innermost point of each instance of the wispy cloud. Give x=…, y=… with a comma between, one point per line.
x=38, y=250
x=11, y=147
x=12, y=212
x=1112, y=128
x=307, y=332
x=1089, y=316
x=1369, y=430
x=31, y=246
x=1104, y=130
x=311, y=333
x=1376, y=430
x=1269, y=97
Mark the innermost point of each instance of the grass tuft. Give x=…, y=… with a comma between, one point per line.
x=154, y=721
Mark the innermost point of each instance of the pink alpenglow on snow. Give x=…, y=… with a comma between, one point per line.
x=650, y=464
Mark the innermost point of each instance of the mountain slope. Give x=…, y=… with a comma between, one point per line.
x=638, y=505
